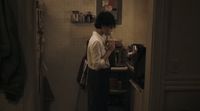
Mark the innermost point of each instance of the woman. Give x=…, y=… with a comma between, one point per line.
x=98, y=51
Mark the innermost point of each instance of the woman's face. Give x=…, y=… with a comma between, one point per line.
x=106, y=30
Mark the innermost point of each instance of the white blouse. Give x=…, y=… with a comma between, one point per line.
x=95, y=51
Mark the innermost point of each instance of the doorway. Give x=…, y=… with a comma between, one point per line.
x=64, y=43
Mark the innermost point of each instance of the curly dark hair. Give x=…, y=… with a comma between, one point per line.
x=105, y=18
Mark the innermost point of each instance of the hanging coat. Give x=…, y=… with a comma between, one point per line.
x=12, y=66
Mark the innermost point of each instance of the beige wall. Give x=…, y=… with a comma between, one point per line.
x=65, y=43
x=134, y=22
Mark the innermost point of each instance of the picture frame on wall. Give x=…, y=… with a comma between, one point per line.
x=114, y=6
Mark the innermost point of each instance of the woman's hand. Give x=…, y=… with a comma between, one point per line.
x=110, y=45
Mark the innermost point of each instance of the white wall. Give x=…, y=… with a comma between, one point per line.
x=65, y=43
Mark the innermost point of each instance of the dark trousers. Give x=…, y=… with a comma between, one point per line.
x=98, y=86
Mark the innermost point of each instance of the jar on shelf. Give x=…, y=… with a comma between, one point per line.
x=88, y=17
x=81, y=17
x=75, y=16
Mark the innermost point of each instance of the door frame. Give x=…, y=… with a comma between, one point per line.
x=155, y=54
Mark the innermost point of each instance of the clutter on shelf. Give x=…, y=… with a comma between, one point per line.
x=82, y=17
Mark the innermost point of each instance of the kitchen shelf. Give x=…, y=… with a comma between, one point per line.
x=123, y=68
x=117, y=91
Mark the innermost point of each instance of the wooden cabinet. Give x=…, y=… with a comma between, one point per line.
x=119, y=92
